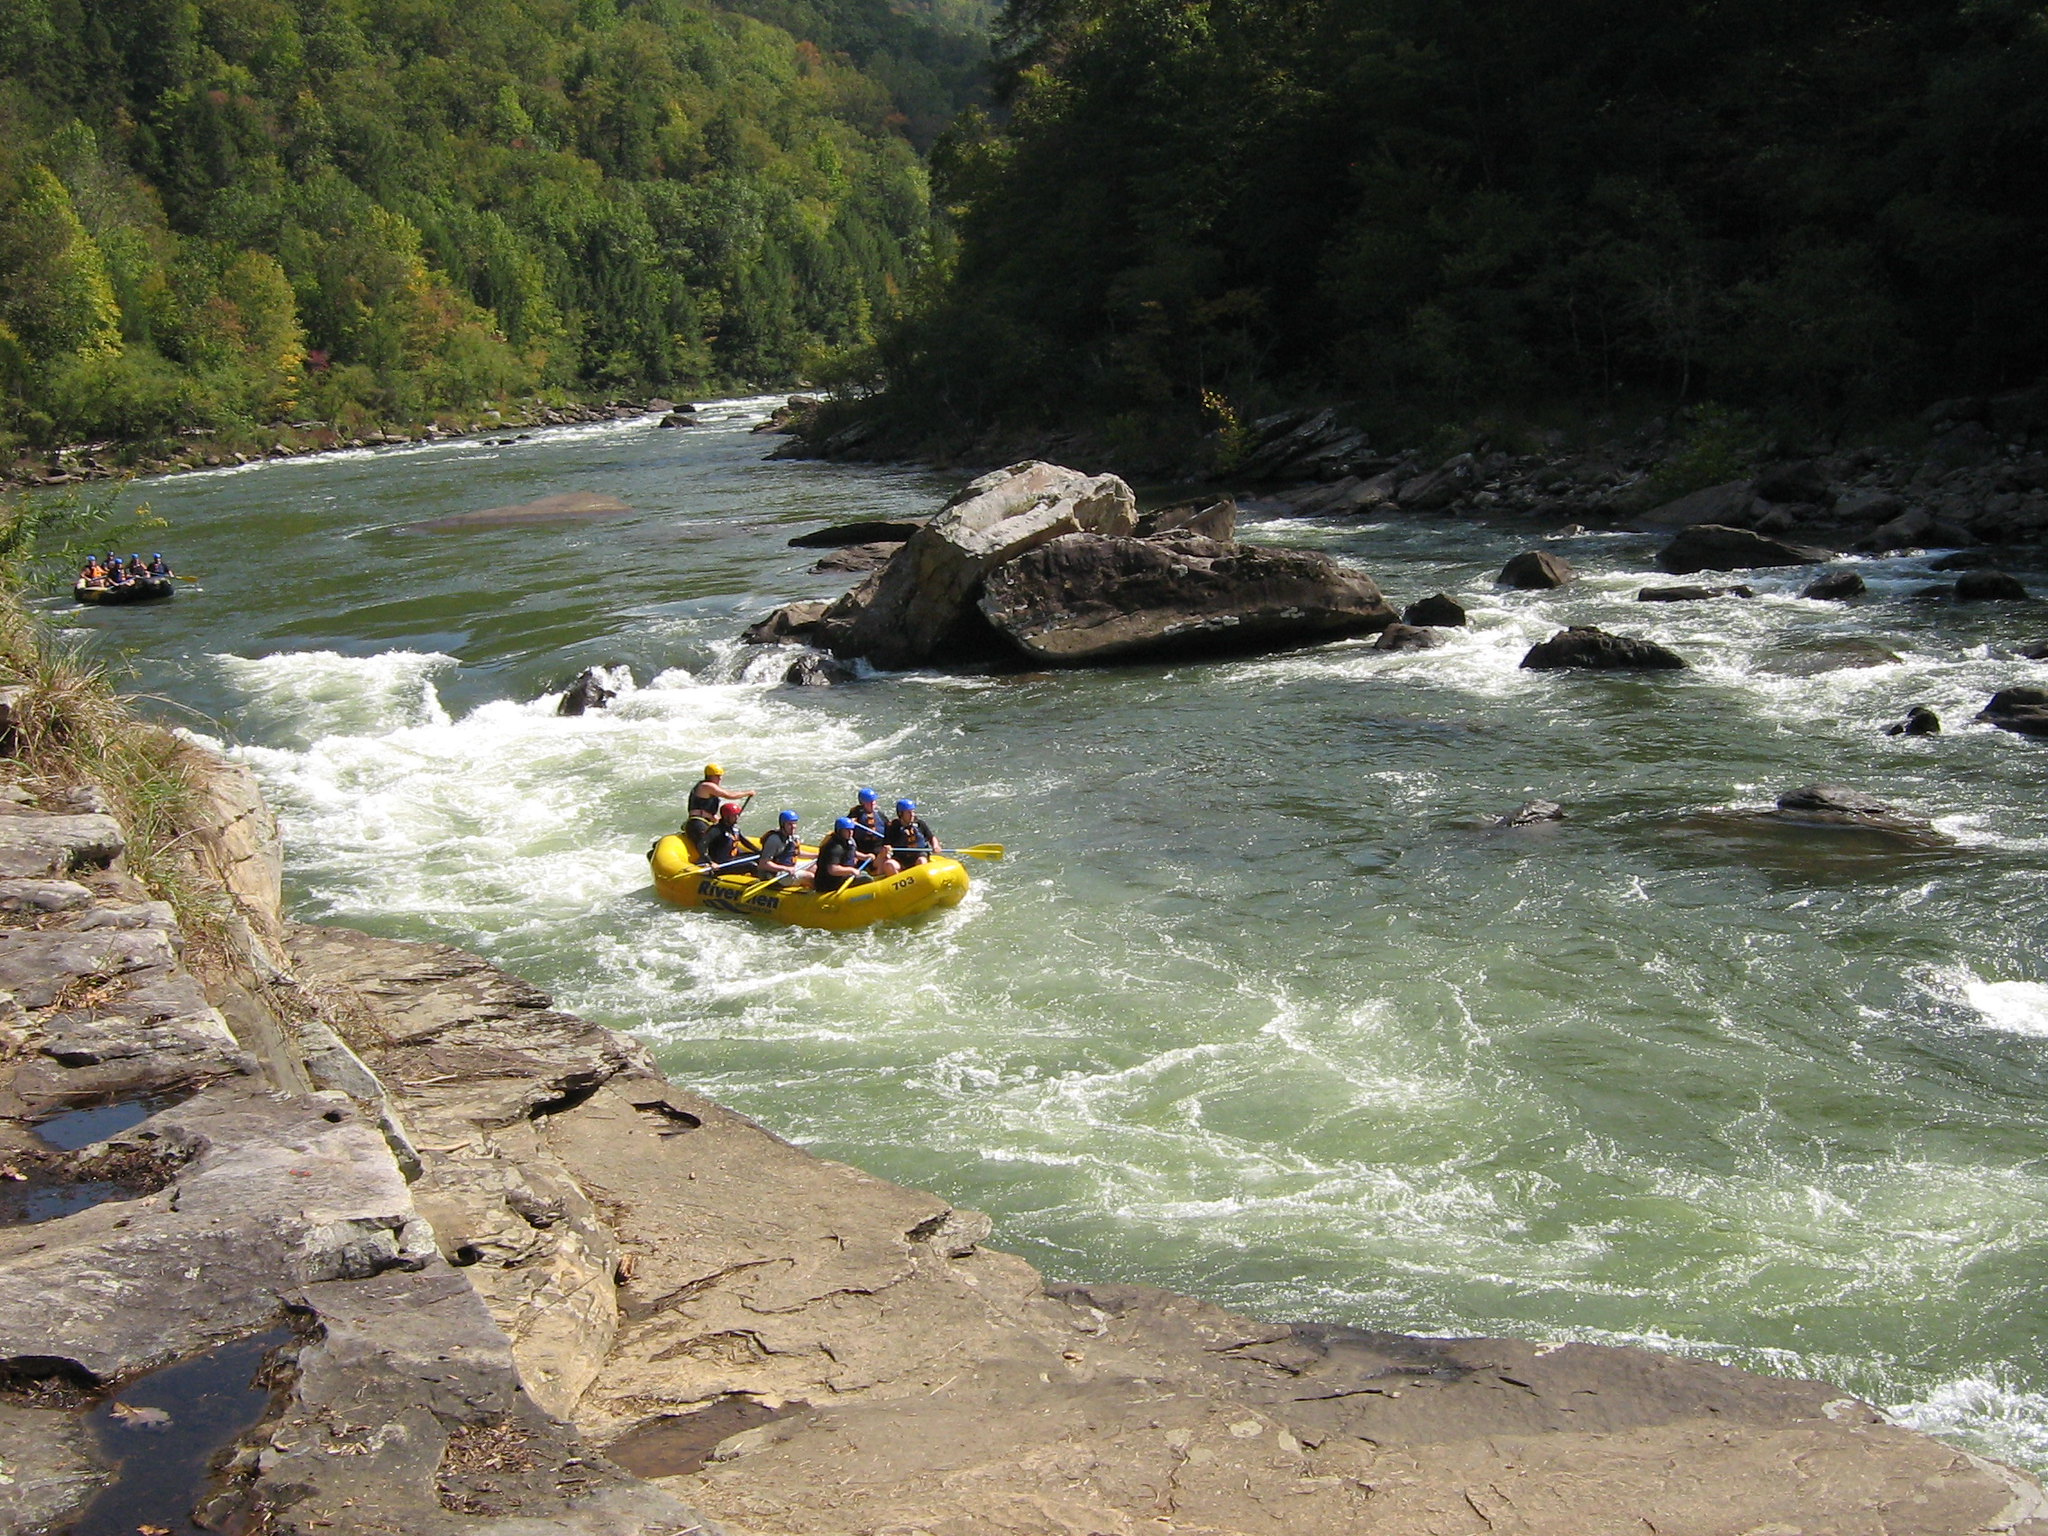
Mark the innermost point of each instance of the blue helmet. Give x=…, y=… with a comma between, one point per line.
x=787, y=816
x=906, y=805
x=844, y=824
x=866, y=795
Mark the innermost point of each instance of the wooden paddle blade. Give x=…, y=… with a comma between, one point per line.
x=993, y=852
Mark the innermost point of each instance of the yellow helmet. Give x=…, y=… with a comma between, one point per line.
x=713, y=771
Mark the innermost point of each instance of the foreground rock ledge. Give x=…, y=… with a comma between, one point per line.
x=614, y=1253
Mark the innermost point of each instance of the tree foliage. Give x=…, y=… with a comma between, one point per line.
x=1827, y=208
x=242, y=209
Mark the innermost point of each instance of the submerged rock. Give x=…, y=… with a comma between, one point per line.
x=1690, y=594
x=1584, y=645
x=1532, y=813
x=1535, y=570
x=1712, y=547
x=1408, y=637
x=568, y=507
x=918, y=608
x=1832, y=805
x=1086, y=599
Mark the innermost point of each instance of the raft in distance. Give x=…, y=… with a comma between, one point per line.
x=938, y=882
x=144, y=589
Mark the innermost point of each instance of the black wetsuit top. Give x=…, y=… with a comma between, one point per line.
x=704, y=802
x=725, y=844
x=839, y=848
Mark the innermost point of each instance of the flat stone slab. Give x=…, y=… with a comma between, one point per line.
x=41, y=846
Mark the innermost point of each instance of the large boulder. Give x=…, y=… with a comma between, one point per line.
x=1085, y=598
x=906, y=614
x=1831, y=805
x=1712, y=547
x=1586, y=646
x=2024, y=710
x=1534, y=570
x=1408, y=637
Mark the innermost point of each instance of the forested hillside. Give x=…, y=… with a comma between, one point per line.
x=1825, y=209
x=220, y=211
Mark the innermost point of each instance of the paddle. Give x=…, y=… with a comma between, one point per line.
x=990, y=851
x=176, y=577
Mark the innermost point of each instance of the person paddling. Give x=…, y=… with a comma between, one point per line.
x=780, y=850
x=840, y=860
x=159, y=568
x=709, y=794
x=725, y=844
x=910, y=836
x=871, y=833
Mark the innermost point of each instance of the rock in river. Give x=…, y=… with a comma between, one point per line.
x=1690, y=594
x=1085, y=599
x=1920, y=721
x=1830, y=805
x=568, y=507
x=1835, y=586
x=587, y=692
x=839, y=535
x=1436, y=611
x=1586, y=646
x=1535, y=571
x=915, y=609
x=2024, y=710
x=791, y=623
x=1989, y=587
x=1711, y=547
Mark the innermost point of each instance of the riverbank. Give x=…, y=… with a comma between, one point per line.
x=84, y=463
x=527, y=1277
x=1969, y=472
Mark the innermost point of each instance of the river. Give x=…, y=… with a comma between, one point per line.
x=1259, y=1007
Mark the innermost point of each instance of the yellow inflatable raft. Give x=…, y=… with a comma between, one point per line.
x=939, y=882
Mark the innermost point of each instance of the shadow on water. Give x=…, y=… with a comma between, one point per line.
x=165, y=1435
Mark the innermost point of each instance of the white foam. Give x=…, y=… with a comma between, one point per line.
x=1986, y=1414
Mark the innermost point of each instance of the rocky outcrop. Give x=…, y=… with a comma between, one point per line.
x=1710, y=547
x=908, y=612
x=1535, y=570
x=1084, y=600
x=1831, y=805
x=812, y=670
x=1587, y=646
x=856, y=557
x=1532, y=813
x=1216, y=520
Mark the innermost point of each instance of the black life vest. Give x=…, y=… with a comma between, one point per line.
x=839, y=848
x=705, y=800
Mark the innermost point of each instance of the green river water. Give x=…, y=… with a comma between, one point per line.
x=1259, y=1007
